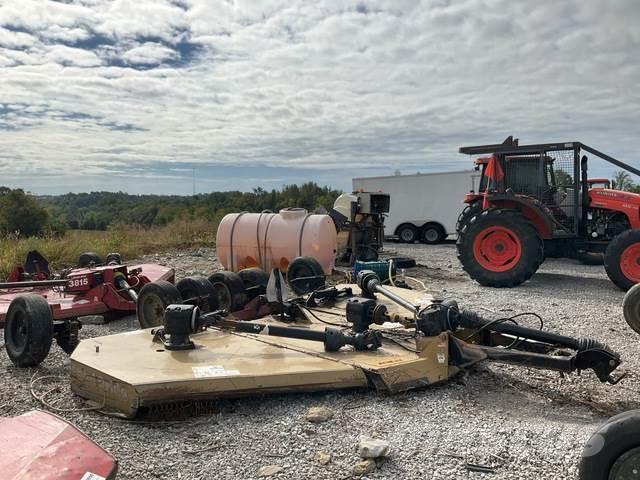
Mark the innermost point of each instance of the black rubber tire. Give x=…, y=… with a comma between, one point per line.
x=605, y=451
x=631, y=307
x=199, y=287
x=590, y=258
x=87, y=258
x=403, y=262
x=230, y=292
x=407, y=233
x=253, y=277
x=612, y=258
x=309, y=269
x=28, y=330
x=113, y=258
x=153, y=299
x=532, y=248
x=432, y=233
x=469, y=211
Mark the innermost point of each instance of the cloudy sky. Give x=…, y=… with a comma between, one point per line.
x=136, y=95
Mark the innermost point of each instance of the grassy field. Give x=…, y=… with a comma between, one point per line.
x=129, y=241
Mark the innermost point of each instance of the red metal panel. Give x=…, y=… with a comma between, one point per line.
x=41, y=446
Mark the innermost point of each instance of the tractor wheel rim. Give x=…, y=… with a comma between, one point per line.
x=626, y=465
x=431, y=235
x=19, y=330
x=497, y=249
x=630, y=262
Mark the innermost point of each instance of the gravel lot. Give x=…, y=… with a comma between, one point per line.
x=523, y=423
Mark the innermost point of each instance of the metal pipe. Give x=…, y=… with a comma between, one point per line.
x=369, y=283
x=35, y=283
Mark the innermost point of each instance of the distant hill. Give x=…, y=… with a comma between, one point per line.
x=98, y=210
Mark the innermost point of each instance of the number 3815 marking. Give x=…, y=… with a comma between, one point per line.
x=79, y=282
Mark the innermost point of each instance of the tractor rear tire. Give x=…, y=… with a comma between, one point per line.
x=153, y=300
x=305, y=275
x=469, y=211
x=432, y=234
x=230, y=292
x=28, y=330
x=88, y=258
x=622, y=259
x=613, y=451
x=201, y=290
x=253, y=278
x=631, y=307
x=499, y=248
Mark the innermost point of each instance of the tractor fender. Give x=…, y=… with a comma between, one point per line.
x=534, y=212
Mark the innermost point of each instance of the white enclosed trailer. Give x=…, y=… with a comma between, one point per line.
x=424, y=206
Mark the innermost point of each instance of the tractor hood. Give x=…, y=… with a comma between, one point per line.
x=601, y=196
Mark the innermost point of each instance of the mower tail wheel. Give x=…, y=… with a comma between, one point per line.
x=499, y=248
x=28, y=330
x=622, y=259
x=88, y=258
x=631, y=307
x=153, y=299
x=230, y=292
x=305, y=275
x=198, y=290
x=613, y=451
x=432, y=233
x=254, y=279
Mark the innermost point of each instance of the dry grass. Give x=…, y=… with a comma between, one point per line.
x=129, y=241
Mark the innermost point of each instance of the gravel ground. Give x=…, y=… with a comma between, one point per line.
x=523, y=423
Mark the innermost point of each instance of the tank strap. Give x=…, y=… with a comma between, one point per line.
x=265, y=267
x=233, y=228
x=301, y=232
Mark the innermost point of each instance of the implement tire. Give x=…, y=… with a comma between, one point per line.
x=230, y=292
x=28, y=330
x=622, y=259
x=153, y=299
x=199, y=291
x=499, y=248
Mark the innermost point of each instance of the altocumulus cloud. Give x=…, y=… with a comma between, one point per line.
x=114, y=94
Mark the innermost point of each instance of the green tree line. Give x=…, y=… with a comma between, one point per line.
x=28, y=215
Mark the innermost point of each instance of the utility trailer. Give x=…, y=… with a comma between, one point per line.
x=424, y=206
x=536, y=201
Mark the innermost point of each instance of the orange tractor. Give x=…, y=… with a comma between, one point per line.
x=536, y=201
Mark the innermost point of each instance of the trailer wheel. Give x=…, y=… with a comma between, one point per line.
x=230, y=292
x=200, y=291
x=87, y=258
x=407, y=233
x=153, y=299
x=631, y=307
x=254, y=279
x=622, y=259
x=305, y=275
x=613, y=451
x=432, y=233
x=499, y=248
x=28, y=330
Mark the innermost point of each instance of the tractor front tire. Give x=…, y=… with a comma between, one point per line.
x=613, y=451
x=622, y=259
x=28, y=330
x=153, y=300
x=499, y=248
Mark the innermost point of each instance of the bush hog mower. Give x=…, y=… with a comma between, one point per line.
x=536, y=201
x=36, y=306
x=347, y=336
